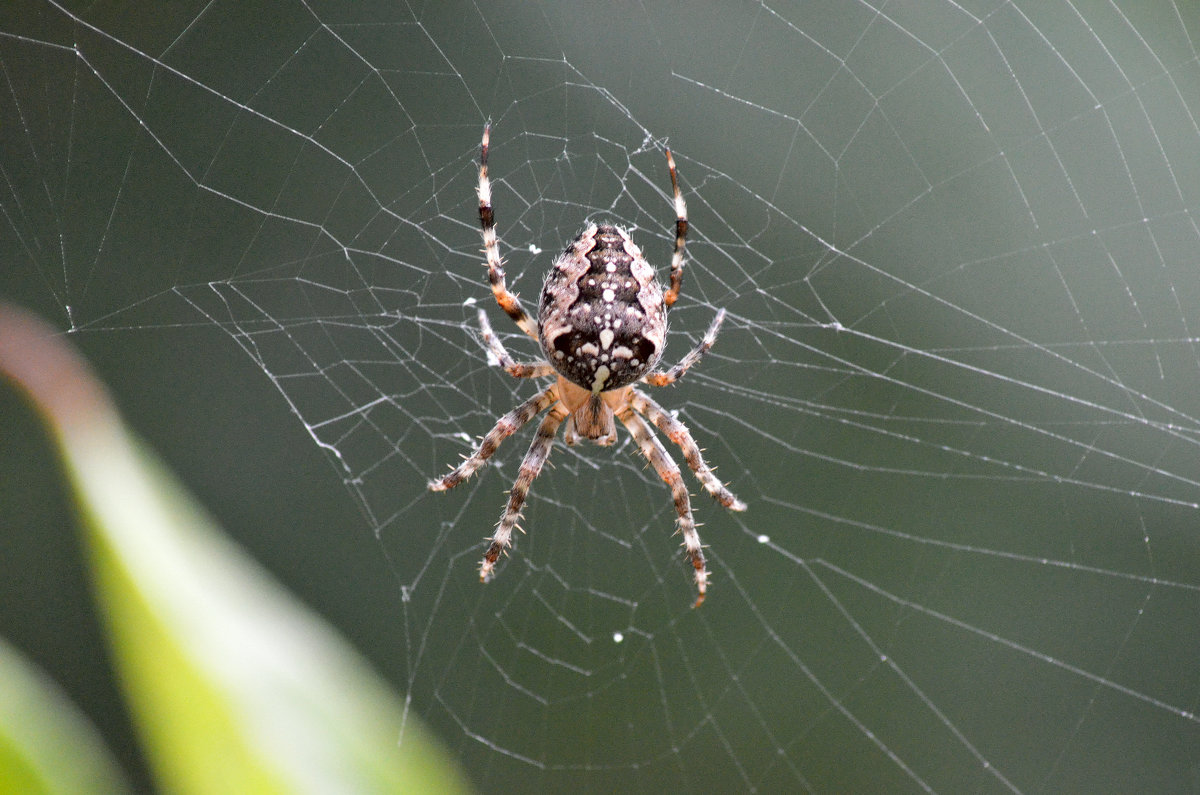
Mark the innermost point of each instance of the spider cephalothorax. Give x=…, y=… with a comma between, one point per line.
x=602, y=324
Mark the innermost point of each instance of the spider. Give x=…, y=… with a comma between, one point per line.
x=601, y=325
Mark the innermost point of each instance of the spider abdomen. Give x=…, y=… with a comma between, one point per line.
x=602, y=320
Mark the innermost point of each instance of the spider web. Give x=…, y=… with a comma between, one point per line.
x=958, y=384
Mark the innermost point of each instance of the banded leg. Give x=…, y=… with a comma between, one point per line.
x=505, y=427
x=681, y=230
x=663, y=378
x=514, y=368
x=668, y=470
x=491, y=246
x=678, y=433
x=539, y=451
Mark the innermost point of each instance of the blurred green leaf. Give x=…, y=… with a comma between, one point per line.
x=46, y=744
x=234, y=685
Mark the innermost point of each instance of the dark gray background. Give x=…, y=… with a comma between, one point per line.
x=957, y=385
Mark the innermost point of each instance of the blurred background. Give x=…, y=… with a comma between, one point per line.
x=957, y=384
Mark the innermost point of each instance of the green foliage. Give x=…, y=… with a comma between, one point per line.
x=234, y=686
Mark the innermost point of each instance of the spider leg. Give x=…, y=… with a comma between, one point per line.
x=681, y=230
x=505, y=427
x=539, y=451
x=491, y=246
x=678, y=433
x=514, y=368
x=663, y=378
x=668, y=470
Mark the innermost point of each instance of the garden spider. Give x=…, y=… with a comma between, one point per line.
x=601, y=324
